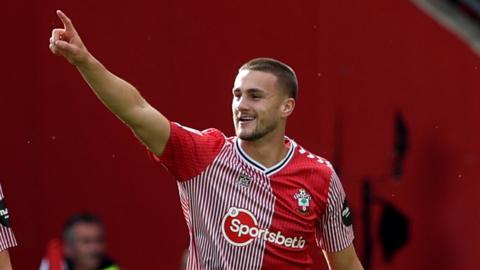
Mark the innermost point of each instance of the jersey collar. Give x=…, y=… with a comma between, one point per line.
x=275, y=168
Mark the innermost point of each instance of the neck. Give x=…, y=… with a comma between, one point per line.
x=268, y=150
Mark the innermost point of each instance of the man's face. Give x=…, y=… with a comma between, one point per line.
x=88, y=245
x=257, y=104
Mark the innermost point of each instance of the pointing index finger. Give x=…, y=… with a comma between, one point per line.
x=67, y=23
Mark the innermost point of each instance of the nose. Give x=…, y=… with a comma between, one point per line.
x=240, y=103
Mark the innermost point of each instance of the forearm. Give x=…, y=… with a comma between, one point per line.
x=343, y=260
x=150, y=126
x=351, y=265
x=5, y=260
x=119, y=96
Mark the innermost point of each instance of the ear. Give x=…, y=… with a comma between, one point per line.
x=287, y=107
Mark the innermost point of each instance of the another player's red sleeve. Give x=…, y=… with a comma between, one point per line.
x=188, y=151
x=335, y=231
x=7, y=239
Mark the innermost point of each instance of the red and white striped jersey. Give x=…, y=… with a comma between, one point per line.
x=7, y=239
x=241, y=215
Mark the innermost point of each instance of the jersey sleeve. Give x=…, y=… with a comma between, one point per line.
x=188, y=151
x=7, y=238
x=335, y=231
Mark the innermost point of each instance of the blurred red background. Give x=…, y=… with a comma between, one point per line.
x=357, y=62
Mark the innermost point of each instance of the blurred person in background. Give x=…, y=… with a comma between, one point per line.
x=83, y=246
x=7, y=239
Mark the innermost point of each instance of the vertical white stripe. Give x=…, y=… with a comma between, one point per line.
x=335, y=235
x=209, y=196
x=7, y=238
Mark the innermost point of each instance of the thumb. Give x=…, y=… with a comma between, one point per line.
x=71, y=52
x=67, y=50
x=64, y=46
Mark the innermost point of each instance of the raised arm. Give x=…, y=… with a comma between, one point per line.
x=120, y=97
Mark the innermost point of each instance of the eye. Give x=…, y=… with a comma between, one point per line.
x=237, y=94
x=256, y=96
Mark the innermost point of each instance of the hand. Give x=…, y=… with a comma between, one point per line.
x=67, y=43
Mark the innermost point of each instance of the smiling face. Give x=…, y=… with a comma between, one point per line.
x=259, y=106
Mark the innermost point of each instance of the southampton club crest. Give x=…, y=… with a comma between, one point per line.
x=303, y=199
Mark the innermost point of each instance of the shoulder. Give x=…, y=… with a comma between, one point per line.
x=230, y=140
x=206, y=132
x=183, y=136
x=108, y=264
x=1, y=193
x=189, y=151
x=314, y=173
x=312, y=161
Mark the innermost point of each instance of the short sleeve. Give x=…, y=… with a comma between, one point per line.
x=335, y=231
x=7, y=238
x=188, y=151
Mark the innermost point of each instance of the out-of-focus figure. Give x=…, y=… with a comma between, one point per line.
x=7, y=239
x=83, y=247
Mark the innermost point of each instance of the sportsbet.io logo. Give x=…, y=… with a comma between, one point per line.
x=240, y=228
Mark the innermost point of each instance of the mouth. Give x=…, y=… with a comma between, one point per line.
x=245, y=119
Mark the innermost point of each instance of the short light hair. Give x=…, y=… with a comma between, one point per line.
x=285, y=75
